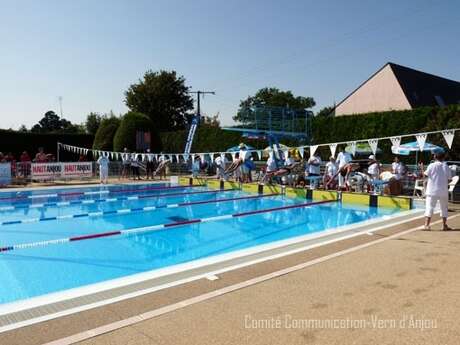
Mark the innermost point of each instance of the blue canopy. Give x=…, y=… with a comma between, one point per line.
x=406, y=149
x=237, y=148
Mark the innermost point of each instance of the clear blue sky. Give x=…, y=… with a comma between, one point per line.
x=89, y=52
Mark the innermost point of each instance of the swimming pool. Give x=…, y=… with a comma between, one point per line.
x=34, y=225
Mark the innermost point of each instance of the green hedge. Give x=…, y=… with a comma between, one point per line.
x=103, y=140
x=342, y=128
x=17, y=142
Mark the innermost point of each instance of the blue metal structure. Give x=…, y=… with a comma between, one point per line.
x=273, y=123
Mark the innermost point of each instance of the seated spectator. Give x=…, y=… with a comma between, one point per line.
x=82, y=158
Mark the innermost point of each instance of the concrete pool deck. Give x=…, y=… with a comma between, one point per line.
x=413, y=274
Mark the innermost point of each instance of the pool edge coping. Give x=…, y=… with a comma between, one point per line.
x=228, y=262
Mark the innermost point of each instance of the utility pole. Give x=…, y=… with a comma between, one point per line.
x=199, y=94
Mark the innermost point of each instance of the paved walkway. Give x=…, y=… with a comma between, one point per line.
x=401, y=291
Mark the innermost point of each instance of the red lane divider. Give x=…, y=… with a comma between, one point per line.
x=87, y=237
x=158, y=227
x=281, y=208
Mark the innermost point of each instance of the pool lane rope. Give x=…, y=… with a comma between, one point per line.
x=130, y=210
x=93, y=201
x=106, y=191
x=158, y=227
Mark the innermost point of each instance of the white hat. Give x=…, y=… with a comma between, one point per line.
x=372, y=157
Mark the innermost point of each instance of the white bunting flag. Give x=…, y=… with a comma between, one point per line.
x=421, y=139
x=233, y=156
x=313, y=150
x=300, y=149
x=373, y=143
x=259, y=154
x=333, y=148
x=178, y=158
x=448, y=137
x=352, y=145
x=395, y=141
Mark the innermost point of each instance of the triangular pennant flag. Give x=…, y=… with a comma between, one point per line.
x=421, y=139
x=373, y=143
x=202, y=157
x=449, y=137
x=286, y=153
x=301, y=151
x=352, y=145
x=395, y=141
x=259, y=154
x=222, y=156
x=178, y=158
x=313, y=150
x=233, y=155
x=333, y=148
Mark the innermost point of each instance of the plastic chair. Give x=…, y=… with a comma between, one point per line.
x=419, y=187
x=452, y=185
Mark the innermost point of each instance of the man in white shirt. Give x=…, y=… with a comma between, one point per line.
x=374, y=168
x=221, y=163
x=103, y=162
x=314, y=169
x=243, y=154
x=343, y=158
x=438, y=175
x=330, y=173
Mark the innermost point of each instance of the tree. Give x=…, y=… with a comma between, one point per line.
x=163, y=97
x=274, y=97
x=52, y=123
x=93, y=121
x=23, y=128
x=103, y=139
x=326, y=112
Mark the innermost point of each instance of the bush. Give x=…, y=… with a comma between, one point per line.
x=103, y=139
x=125, y=135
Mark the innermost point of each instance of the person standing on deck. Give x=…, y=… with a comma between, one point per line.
x=438, y=175
x=103, y=162
x=343, y=158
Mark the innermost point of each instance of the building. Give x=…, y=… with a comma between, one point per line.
x=395, y=87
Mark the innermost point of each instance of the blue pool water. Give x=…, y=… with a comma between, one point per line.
x=40, y=270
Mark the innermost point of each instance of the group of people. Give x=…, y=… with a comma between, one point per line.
x=133, y=163
x=342, y=173
x=21, y=167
